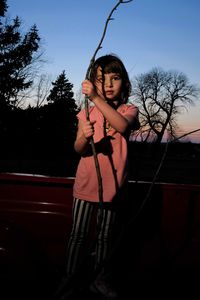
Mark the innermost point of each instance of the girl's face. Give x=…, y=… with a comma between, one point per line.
x=108, y=85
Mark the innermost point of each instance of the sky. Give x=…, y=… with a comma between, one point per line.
x=144, y=34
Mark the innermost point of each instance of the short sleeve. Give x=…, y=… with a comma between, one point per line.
x=131, y=111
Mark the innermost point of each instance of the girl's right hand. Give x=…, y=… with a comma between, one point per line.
x=88, y=89
x=88, y=129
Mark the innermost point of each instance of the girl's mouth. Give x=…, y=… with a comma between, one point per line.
x=109, y=93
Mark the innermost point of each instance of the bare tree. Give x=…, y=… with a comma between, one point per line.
x=42, y=89
x=161, y=96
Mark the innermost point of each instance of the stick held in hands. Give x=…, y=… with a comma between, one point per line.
x=100, y=189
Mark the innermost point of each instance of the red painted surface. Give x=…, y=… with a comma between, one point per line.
x=39, y=208
x=35, y=219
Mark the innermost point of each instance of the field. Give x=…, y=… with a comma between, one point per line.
x=175, y=163
x=178, y=163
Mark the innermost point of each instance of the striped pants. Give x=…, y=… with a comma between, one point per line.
x=82, y=212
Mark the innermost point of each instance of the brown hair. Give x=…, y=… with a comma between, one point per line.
x=110, y=63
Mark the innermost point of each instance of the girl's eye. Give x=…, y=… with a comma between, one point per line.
x=116, y=77
x=102, y=80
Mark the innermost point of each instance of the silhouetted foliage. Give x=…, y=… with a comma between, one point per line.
x=42, y=134
x=17, y=54
x=61, y=91
x=33, y=134
x=161, y=96
x=59, y=116
x=3, y=8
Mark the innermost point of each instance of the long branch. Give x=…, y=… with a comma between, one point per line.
x=109, y=18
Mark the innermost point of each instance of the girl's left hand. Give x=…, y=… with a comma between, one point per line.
x=88, y=89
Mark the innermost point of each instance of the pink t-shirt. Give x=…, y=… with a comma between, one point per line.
x=112, y=157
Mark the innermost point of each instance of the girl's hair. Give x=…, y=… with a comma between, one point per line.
x=110, y=63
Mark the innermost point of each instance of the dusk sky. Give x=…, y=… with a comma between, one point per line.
x=144, y=34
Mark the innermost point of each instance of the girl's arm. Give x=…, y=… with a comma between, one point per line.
x=117, y=121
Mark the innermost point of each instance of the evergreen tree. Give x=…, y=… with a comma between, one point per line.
x=61, y=91
x=17, y=55
x=58, y=119
x=3, y=8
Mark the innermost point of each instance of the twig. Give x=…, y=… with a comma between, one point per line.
x=185, y=134
x=100, y=188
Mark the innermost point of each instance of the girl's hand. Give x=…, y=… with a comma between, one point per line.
x=88, y=129
x=88, y=89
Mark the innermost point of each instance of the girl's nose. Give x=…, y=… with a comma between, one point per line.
x=108, y=82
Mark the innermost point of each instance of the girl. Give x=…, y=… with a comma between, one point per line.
x=111, y=121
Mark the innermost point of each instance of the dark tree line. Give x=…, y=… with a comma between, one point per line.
x=31, y=133
x=41, y=133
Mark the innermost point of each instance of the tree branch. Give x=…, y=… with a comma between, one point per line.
x=87, y=100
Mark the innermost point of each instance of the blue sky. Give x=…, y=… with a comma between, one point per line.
x=144, y=33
